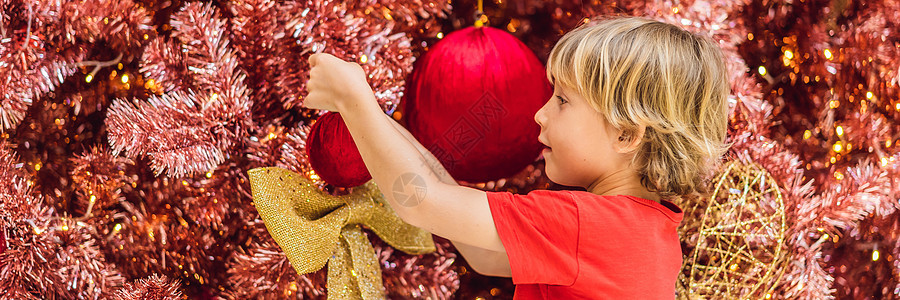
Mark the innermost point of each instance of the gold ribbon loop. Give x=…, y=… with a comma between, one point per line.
x=312, y=227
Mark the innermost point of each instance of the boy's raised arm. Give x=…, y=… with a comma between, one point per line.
x=483, y=261
x=417, y=194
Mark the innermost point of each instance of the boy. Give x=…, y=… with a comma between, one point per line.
x=638, y=116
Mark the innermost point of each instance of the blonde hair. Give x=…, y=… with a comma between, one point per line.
x=639, y=73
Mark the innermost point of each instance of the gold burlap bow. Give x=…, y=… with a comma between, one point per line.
x=313, y=228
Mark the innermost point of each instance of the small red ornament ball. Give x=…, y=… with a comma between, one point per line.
x=471, y=101
x=333, y=154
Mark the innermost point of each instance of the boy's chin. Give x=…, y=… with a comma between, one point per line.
x=552, y=176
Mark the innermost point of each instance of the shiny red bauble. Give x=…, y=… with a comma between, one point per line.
x=471, y=101
x=333, y=154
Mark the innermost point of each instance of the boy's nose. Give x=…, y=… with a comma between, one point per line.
x=539, y=116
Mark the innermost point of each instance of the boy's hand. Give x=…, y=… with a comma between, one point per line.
x=335, y=84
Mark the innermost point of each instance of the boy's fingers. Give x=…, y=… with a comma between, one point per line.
x=313, y=59
x=310, y=101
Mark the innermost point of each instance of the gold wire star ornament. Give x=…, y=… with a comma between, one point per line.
x=740, y=242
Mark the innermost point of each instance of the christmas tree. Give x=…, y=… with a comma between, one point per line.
x=128, y=128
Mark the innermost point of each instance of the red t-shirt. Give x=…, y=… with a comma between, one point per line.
x=579, y=245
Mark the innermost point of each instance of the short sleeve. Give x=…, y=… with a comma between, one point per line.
x=540, y=234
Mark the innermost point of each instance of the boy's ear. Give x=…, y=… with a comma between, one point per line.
x=630, y=140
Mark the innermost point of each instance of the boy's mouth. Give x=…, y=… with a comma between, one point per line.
x=546, y=148
x=542, y=142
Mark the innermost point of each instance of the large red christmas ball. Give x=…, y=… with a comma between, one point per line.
x=333, y=154
x=471, y=101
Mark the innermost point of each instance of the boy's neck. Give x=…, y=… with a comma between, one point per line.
x=621, y=183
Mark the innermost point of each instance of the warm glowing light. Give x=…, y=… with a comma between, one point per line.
x=117, y=227
x=762, y=70
x=440, y=35
x=675, y=11
x=875, y=255
x=124, y=78
x=828, y=54
x=483, y=19
x=838, y=175
x=789, y=54
x=884, y=161
x=209, y=174
x=837, y=147
x=839, y=130
x=89, y=78
x=363, y=59
x=807, y=134
x=37, y=166
x=869, y=95
x=833, y=103
x=93, y=198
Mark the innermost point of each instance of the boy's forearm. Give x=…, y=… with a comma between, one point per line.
x=389, y=156
x=432, y=162
x=487, y=262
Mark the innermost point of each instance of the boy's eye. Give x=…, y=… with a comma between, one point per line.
x=561, y=100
